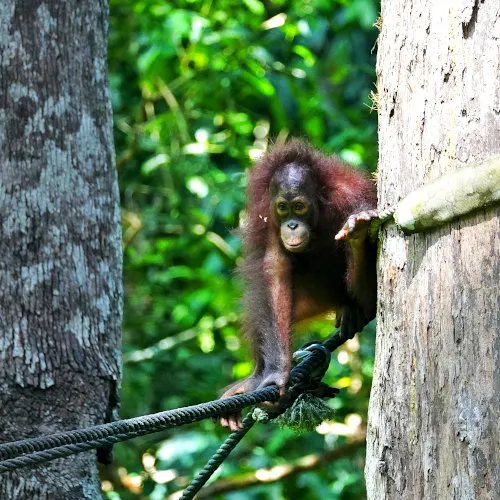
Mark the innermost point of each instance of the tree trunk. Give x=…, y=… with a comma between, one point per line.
x=434, y=417
x=60, y=244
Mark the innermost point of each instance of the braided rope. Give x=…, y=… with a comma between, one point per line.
x=34, y=451
x=38, y=450
x=217, y=458
x=299, y=377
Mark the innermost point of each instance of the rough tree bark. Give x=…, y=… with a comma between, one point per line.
x=60, y=238
x=434, y=417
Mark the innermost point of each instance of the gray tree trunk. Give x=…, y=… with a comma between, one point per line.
x=60, y=238
x=434, y=417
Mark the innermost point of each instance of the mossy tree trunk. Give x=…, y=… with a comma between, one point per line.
x=60, y=238
x=434, y=418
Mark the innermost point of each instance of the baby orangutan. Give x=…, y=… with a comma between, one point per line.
x=307, y=252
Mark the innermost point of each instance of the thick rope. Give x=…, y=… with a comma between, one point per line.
x=34, y=451
x=38, y=450
x=300, y=375
x=217, y=458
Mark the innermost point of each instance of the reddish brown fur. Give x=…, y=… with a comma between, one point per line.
x=344, y=191
x=283, y=287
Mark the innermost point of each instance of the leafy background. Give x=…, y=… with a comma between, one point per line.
x=200, y=88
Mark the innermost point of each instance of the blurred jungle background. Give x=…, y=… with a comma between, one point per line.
x=200, y=88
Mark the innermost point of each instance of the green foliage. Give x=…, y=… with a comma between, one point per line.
x=199, y=89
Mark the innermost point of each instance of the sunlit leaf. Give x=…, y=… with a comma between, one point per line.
x=255, y=6
x=197, y=186
x=155, y=162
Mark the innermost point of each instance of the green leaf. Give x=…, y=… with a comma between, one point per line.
x=255, y=6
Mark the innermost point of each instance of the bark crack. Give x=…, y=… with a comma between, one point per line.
x=468, y=28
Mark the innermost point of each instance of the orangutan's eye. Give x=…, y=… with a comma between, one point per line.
x=282, y=208
x=299, y=208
